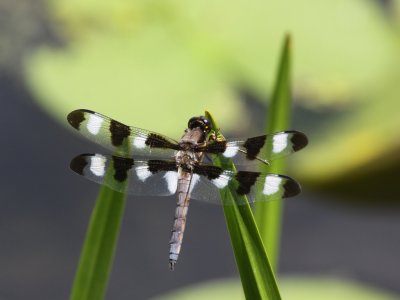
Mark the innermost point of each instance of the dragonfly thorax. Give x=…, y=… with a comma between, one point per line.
x=191, y=138
x=187, y=159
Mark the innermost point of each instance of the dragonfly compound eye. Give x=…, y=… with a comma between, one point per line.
x=201, y=122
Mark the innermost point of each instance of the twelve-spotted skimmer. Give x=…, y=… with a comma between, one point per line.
x=183, y=172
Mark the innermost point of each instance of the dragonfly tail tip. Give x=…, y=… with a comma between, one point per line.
x=172, y=265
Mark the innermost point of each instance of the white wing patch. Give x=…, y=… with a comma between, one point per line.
x=280, y=142
x=94, y=124
x=97, y=165
x=139, y=142
x=272, y=184
x=143, y=173
x=222, y=181
x=172, y=181
x=230, y=151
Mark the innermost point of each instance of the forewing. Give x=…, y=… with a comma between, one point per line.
x=262, y=148
x=208, y=181
x=145, y=178
x=119, y=138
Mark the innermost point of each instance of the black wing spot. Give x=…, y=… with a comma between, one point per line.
x=211, y=172
x=299, y=141
x=161, y=165
x=157, y=141
x=79, y=163
x=121, y=167
x=246, y=181
x=291, y=188
x=119, y=132
x=75, y=118
x=216, y=147
x=253, y=146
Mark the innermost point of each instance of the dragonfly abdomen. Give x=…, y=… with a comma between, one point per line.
x=179, y=219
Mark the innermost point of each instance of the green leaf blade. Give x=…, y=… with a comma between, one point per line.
x=268, y=214
x=91, y=278
x=99, y=246
x=255, y=271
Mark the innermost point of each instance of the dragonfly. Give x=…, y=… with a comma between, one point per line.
x=147, y=163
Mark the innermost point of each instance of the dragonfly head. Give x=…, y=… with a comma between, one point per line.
x=200, y=122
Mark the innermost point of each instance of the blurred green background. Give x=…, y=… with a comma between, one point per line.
x=154, y=64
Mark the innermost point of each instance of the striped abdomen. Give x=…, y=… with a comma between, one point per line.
x=180, y=217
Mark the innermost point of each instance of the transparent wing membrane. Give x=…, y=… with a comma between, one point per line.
x=119, y=138
x=160, y=178
x=144, y=178
x=270, y=186
x=265, y=147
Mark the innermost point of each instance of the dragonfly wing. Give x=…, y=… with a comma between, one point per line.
x=265, y=147
x=145, y=178
x=160, y=178
x=208, y=181
x=121, y=139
